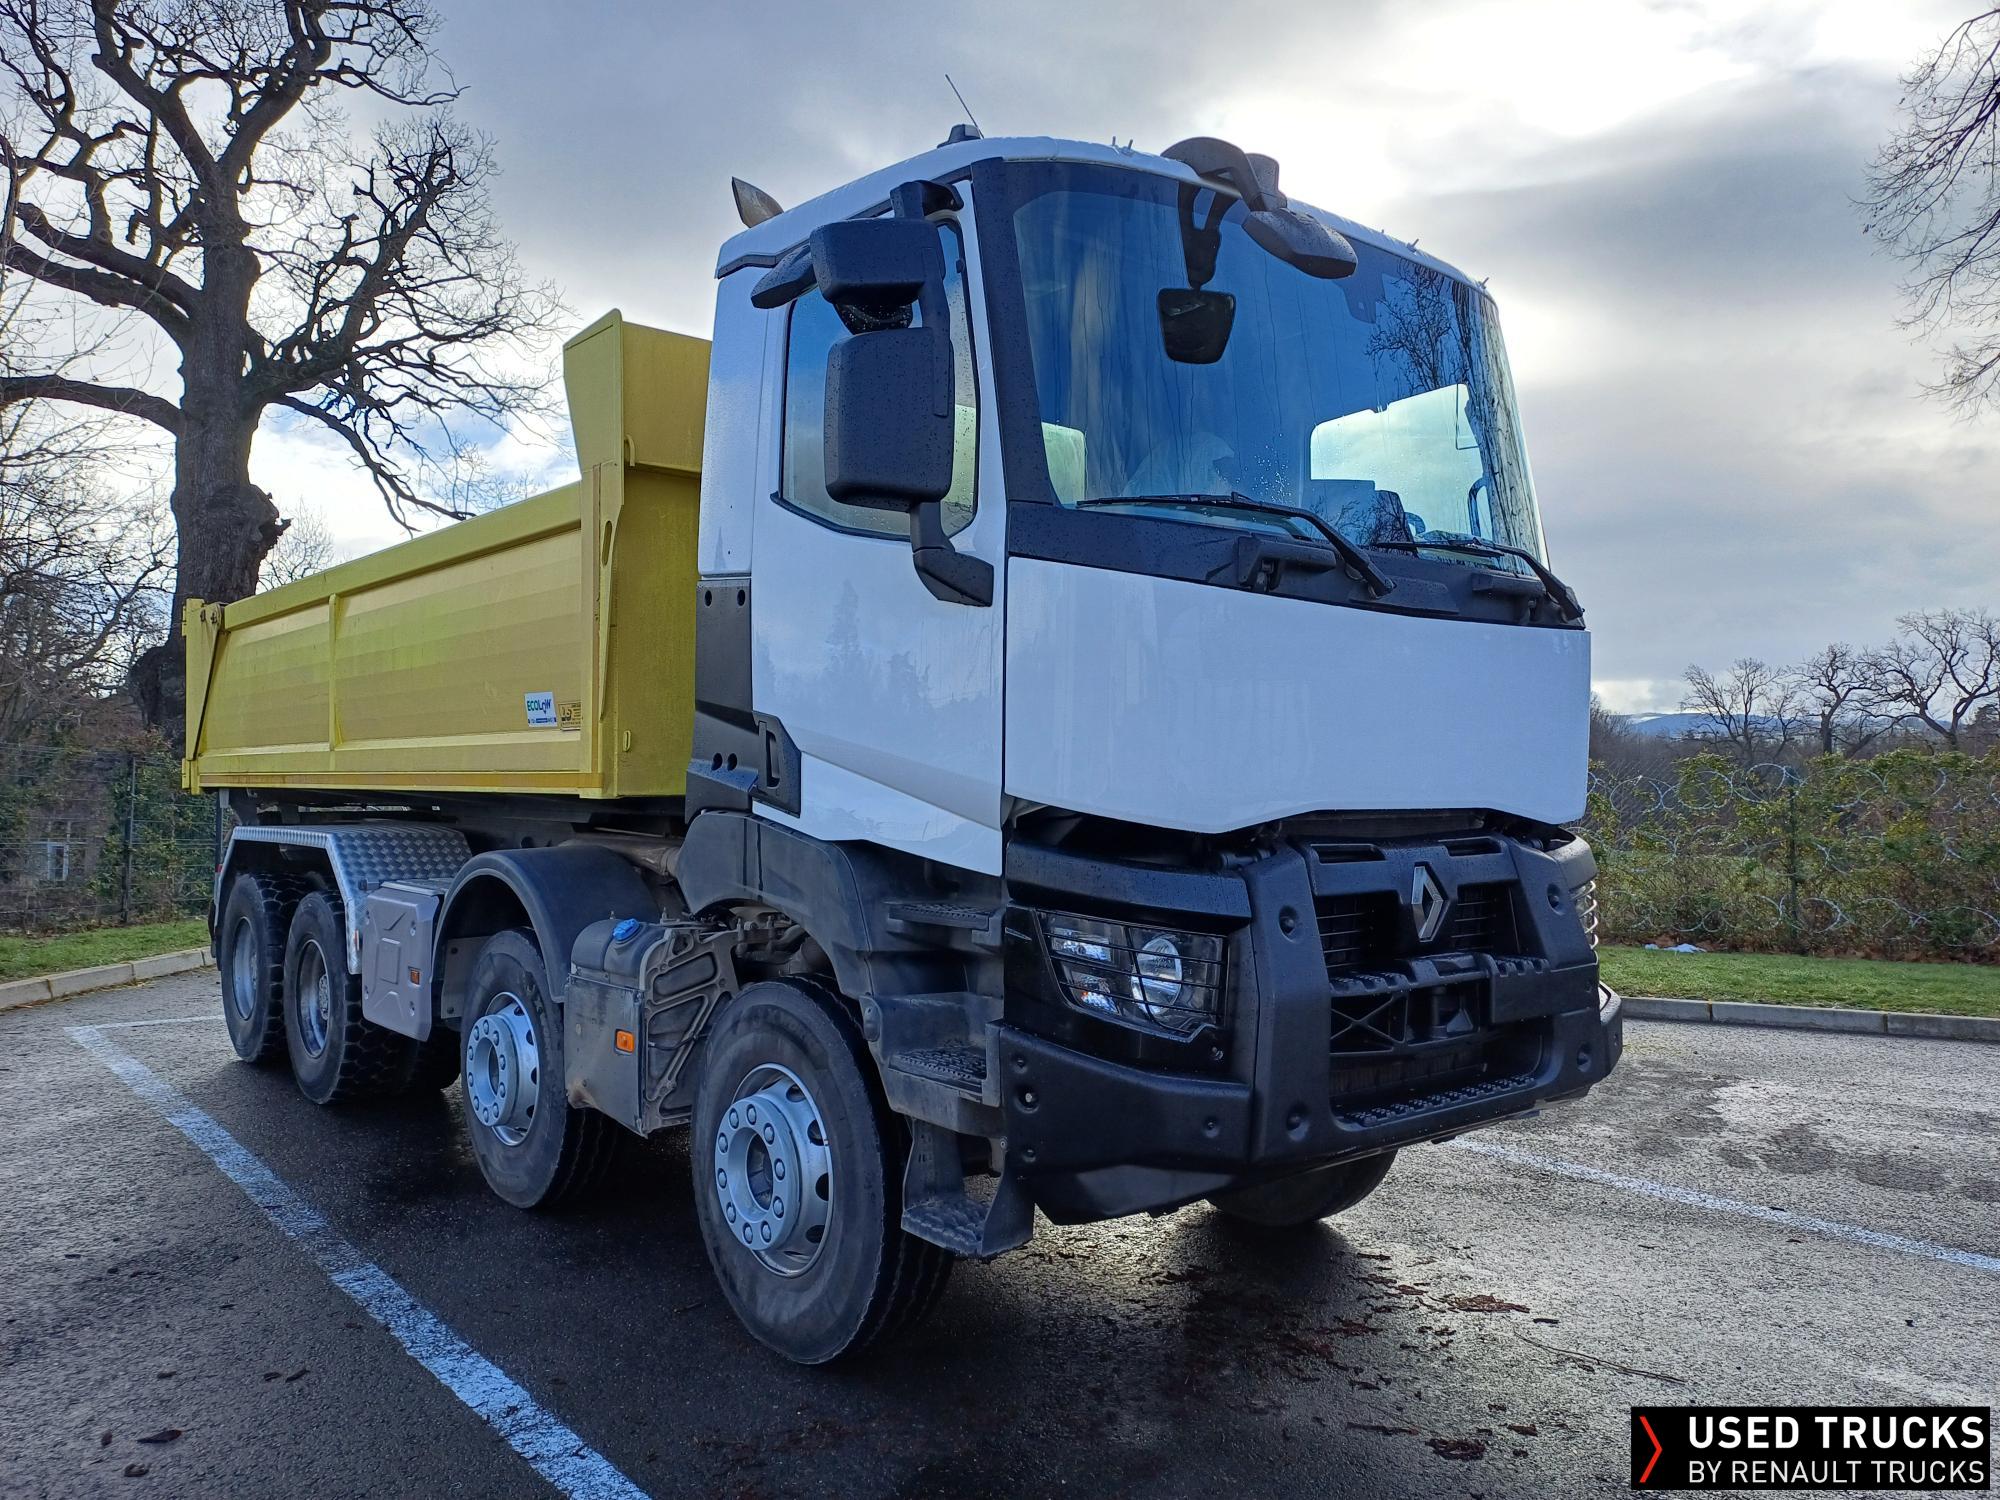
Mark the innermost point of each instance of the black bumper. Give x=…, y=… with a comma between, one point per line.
x=1332, y=1046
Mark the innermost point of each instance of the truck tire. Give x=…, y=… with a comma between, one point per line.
x=337, y=1055
x=534, y=1149
x=1292, y=1202
x=250, y=954
x=798, y=1179
x=434, y=1062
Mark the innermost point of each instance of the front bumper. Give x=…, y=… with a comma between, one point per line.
x=1331, y=1048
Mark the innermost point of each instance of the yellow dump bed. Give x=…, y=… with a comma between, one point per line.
x=545, y=647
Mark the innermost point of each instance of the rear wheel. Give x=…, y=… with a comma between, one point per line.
x=798, y=1179
x=1291, y=1202
x=337, y=1055
x=250, y=954
x=533, y=1148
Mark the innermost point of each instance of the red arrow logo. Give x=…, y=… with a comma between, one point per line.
x=1657, y=1449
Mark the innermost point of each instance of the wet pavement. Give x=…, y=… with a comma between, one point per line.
x=1479, y=1327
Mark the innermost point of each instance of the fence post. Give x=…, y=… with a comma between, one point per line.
x=1792, y=859
x=131, y=824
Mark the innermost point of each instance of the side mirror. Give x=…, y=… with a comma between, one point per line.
x=889, y=422
x=1301, y=240
x=875, y=267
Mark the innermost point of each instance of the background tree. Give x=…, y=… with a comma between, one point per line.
x=1749, y=708
x=1934, y=201
x=1833, y=691
x=1939, y=671
x=307, y=547
x=187, y=165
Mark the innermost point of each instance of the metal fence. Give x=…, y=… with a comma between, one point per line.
x=1895, y=857
x=1898, y=856
x=92, y=837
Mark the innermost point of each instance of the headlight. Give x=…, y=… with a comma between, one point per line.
x=1149, y=977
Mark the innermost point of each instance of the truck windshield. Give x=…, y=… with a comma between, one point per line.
x=1380, y=402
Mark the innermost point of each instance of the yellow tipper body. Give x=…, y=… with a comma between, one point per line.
x=544, y=647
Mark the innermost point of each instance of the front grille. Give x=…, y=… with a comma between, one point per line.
x=1356, y=930
x=1482, y=920
x=1360, y=930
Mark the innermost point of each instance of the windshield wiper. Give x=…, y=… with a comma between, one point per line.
x=1357, y=561
x=1560, y=593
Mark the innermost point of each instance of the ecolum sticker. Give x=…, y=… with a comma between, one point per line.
x=541, y=710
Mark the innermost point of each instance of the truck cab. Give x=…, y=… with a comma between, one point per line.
x=1272, y=848
x=1133, y=724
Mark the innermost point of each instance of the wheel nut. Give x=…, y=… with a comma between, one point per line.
x=729, y=1211
x=750, y=1113
x=734, y=1120
x=770, y=1135
x=778, y=1168
x=765, y=1229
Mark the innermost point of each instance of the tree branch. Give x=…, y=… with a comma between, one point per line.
x=124, y=400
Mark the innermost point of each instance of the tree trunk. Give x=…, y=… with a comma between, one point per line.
x=224, y=528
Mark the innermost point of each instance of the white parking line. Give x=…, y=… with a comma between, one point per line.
x=551, y=1448
x=1832, y=1228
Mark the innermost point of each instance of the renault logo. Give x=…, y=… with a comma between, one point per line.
x=1428, y=903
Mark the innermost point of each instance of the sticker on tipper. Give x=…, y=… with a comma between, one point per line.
x=569, y=715
x=541, y=710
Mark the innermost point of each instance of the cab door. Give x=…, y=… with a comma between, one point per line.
x=892, y=696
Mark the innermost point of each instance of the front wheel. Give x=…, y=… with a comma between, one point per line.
x=1292, y=1202
x=798, y=1187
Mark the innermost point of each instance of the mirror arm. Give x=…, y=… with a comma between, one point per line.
x=953, y=576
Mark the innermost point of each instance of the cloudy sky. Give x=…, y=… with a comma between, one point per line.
x=1732, y=449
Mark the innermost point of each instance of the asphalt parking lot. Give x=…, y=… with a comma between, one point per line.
x=1737, y=1215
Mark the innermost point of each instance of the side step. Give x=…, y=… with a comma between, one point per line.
x=937, y=1208
x=907, y=918
x=964, y=1068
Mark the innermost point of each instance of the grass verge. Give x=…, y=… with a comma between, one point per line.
x=25, y=957
x=1785, y=979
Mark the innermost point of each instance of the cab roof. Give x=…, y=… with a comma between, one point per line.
x=763, y=243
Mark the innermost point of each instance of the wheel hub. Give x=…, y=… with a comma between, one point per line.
x=315, y=998
x=503, y=1071
x=243, y=976
x=774, y=1171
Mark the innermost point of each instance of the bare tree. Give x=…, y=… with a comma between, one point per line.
x=307, y=547
x=1939, y=670
x=1750, y=708
x=185, y=165
x=1934, y=201
x=1833, y=693
x=82, y=582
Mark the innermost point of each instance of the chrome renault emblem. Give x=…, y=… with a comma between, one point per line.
x=1428, y=903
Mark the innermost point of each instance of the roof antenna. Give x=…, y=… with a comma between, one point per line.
x=958, y=132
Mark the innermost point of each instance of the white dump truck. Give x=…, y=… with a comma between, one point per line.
x=1060, y=705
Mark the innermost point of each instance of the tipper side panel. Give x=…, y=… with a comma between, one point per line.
x=545, y=647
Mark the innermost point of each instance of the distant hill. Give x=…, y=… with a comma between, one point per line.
x=1681, y=726
x=1662, y=726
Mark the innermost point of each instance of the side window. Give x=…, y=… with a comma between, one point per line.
x=815, y=328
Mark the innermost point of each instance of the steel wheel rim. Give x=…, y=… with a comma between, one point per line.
x=243, y=977
x=315, y=998
x=773, y=1170
x=503, y=1071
